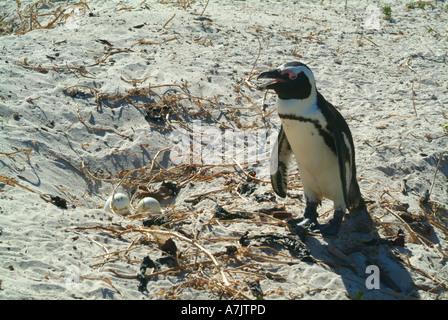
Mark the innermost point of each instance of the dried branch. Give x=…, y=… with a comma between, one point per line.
x=9, y=154
x=197, y=245
x=84, y=122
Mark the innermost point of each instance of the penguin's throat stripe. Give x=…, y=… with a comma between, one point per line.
x=324, y=132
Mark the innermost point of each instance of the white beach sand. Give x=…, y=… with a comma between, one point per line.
x=62, y=134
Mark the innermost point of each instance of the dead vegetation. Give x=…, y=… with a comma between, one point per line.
x=31, y=18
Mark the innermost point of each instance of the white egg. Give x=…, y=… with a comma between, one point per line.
x=149, y=205
x=120, y=204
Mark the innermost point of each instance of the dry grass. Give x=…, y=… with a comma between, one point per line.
x=30, y=18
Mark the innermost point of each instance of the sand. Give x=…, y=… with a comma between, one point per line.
x=73, y=116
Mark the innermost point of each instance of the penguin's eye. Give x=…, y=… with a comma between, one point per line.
x=291, y=75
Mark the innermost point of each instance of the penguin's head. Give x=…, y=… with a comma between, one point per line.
x=293, y=80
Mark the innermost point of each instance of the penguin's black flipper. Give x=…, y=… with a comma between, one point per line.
x=280, y=157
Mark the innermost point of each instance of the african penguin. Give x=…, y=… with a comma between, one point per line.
x=322, y=144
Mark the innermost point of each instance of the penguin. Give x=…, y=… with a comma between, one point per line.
x=316, y=133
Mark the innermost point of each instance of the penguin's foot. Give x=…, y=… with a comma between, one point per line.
x=309, y=222
x=332, y=228
x=301, y=226
x=309, y=219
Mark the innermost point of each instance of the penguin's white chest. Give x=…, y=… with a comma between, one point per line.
x=318, y=164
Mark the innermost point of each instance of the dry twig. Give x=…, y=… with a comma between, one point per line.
x=88, y=126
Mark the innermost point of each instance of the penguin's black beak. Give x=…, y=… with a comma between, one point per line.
x=277, y=77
